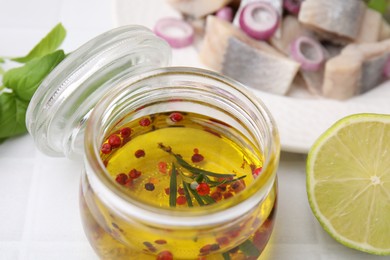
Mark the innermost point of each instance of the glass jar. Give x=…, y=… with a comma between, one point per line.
x=120, y=78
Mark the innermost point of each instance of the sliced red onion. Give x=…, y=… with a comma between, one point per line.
x=176, y=32
x=386, y=68
x=259, y=20
x=292, y=6
x=225, y=13
x=308, y=52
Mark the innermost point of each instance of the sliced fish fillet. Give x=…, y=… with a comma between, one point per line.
x=313, y=81
x=228, y=50
x=356, y=70
x=342, y=76
x=384, y=32
x=258, y=69
x=334, y=20
x=216, y=39
x=370, y=27
x=198, y=8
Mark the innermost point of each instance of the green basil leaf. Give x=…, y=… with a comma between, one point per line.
x=26, y=79
x=47, y=45
x=12, y=115
x=378, y=5
x=1, y=69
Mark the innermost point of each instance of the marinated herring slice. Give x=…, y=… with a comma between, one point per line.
x=370, y=28
x=223, y=41
x=198, y=8
x=356, y=70
x=334, y=20
x=216, y=39
x=384, y=31
x=257, y=68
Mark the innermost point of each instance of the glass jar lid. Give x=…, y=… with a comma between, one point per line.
x=61, y=105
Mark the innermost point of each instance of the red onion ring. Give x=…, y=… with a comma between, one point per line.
x=225, y=13
x=165, y=27
x=386, y=68
x=252, y=20
x=308, y=52
x=293, y=6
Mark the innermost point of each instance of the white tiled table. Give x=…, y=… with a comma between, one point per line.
x=39, y=214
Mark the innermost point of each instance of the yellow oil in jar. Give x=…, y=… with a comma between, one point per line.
x=183, y=162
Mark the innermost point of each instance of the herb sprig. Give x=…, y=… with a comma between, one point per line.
x=19, y=84
x=194, y=174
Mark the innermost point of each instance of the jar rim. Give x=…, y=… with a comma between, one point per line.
x=109, y=193
x=59, y=108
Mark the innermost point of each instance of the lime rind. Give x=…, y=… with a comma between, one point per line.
x=310, y=181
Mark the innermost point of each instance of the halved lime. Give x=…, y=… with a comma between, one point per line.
x=348, y=182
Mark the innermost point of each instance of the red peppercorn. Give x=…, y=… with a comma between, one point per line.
x=180, y=190
x=125, y=132
x=256, y=171
x=167, y=191
x=197, y=158
x=106, y=148
x=223, y=241
x=144, y=122
x=164, y=255
x=176, y=117
x=205, y=249
x=238, y=186
x=181, y=200
x=162, y=167
x=115, y=141
x=121, y=178
x=216, y=196
x=203, y=189
x=134, y=174
x=139, y=153
x=227, y=195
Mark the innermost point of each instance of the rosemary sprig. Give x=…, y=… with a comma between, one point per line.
x=208, y=199
x=225, y=181
x=198, y=171
x=197, y=197
x=190, y=168
x=187, y=193
x=173, y=187
x=249, y=249
x=226, y=256
x=196, y=175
